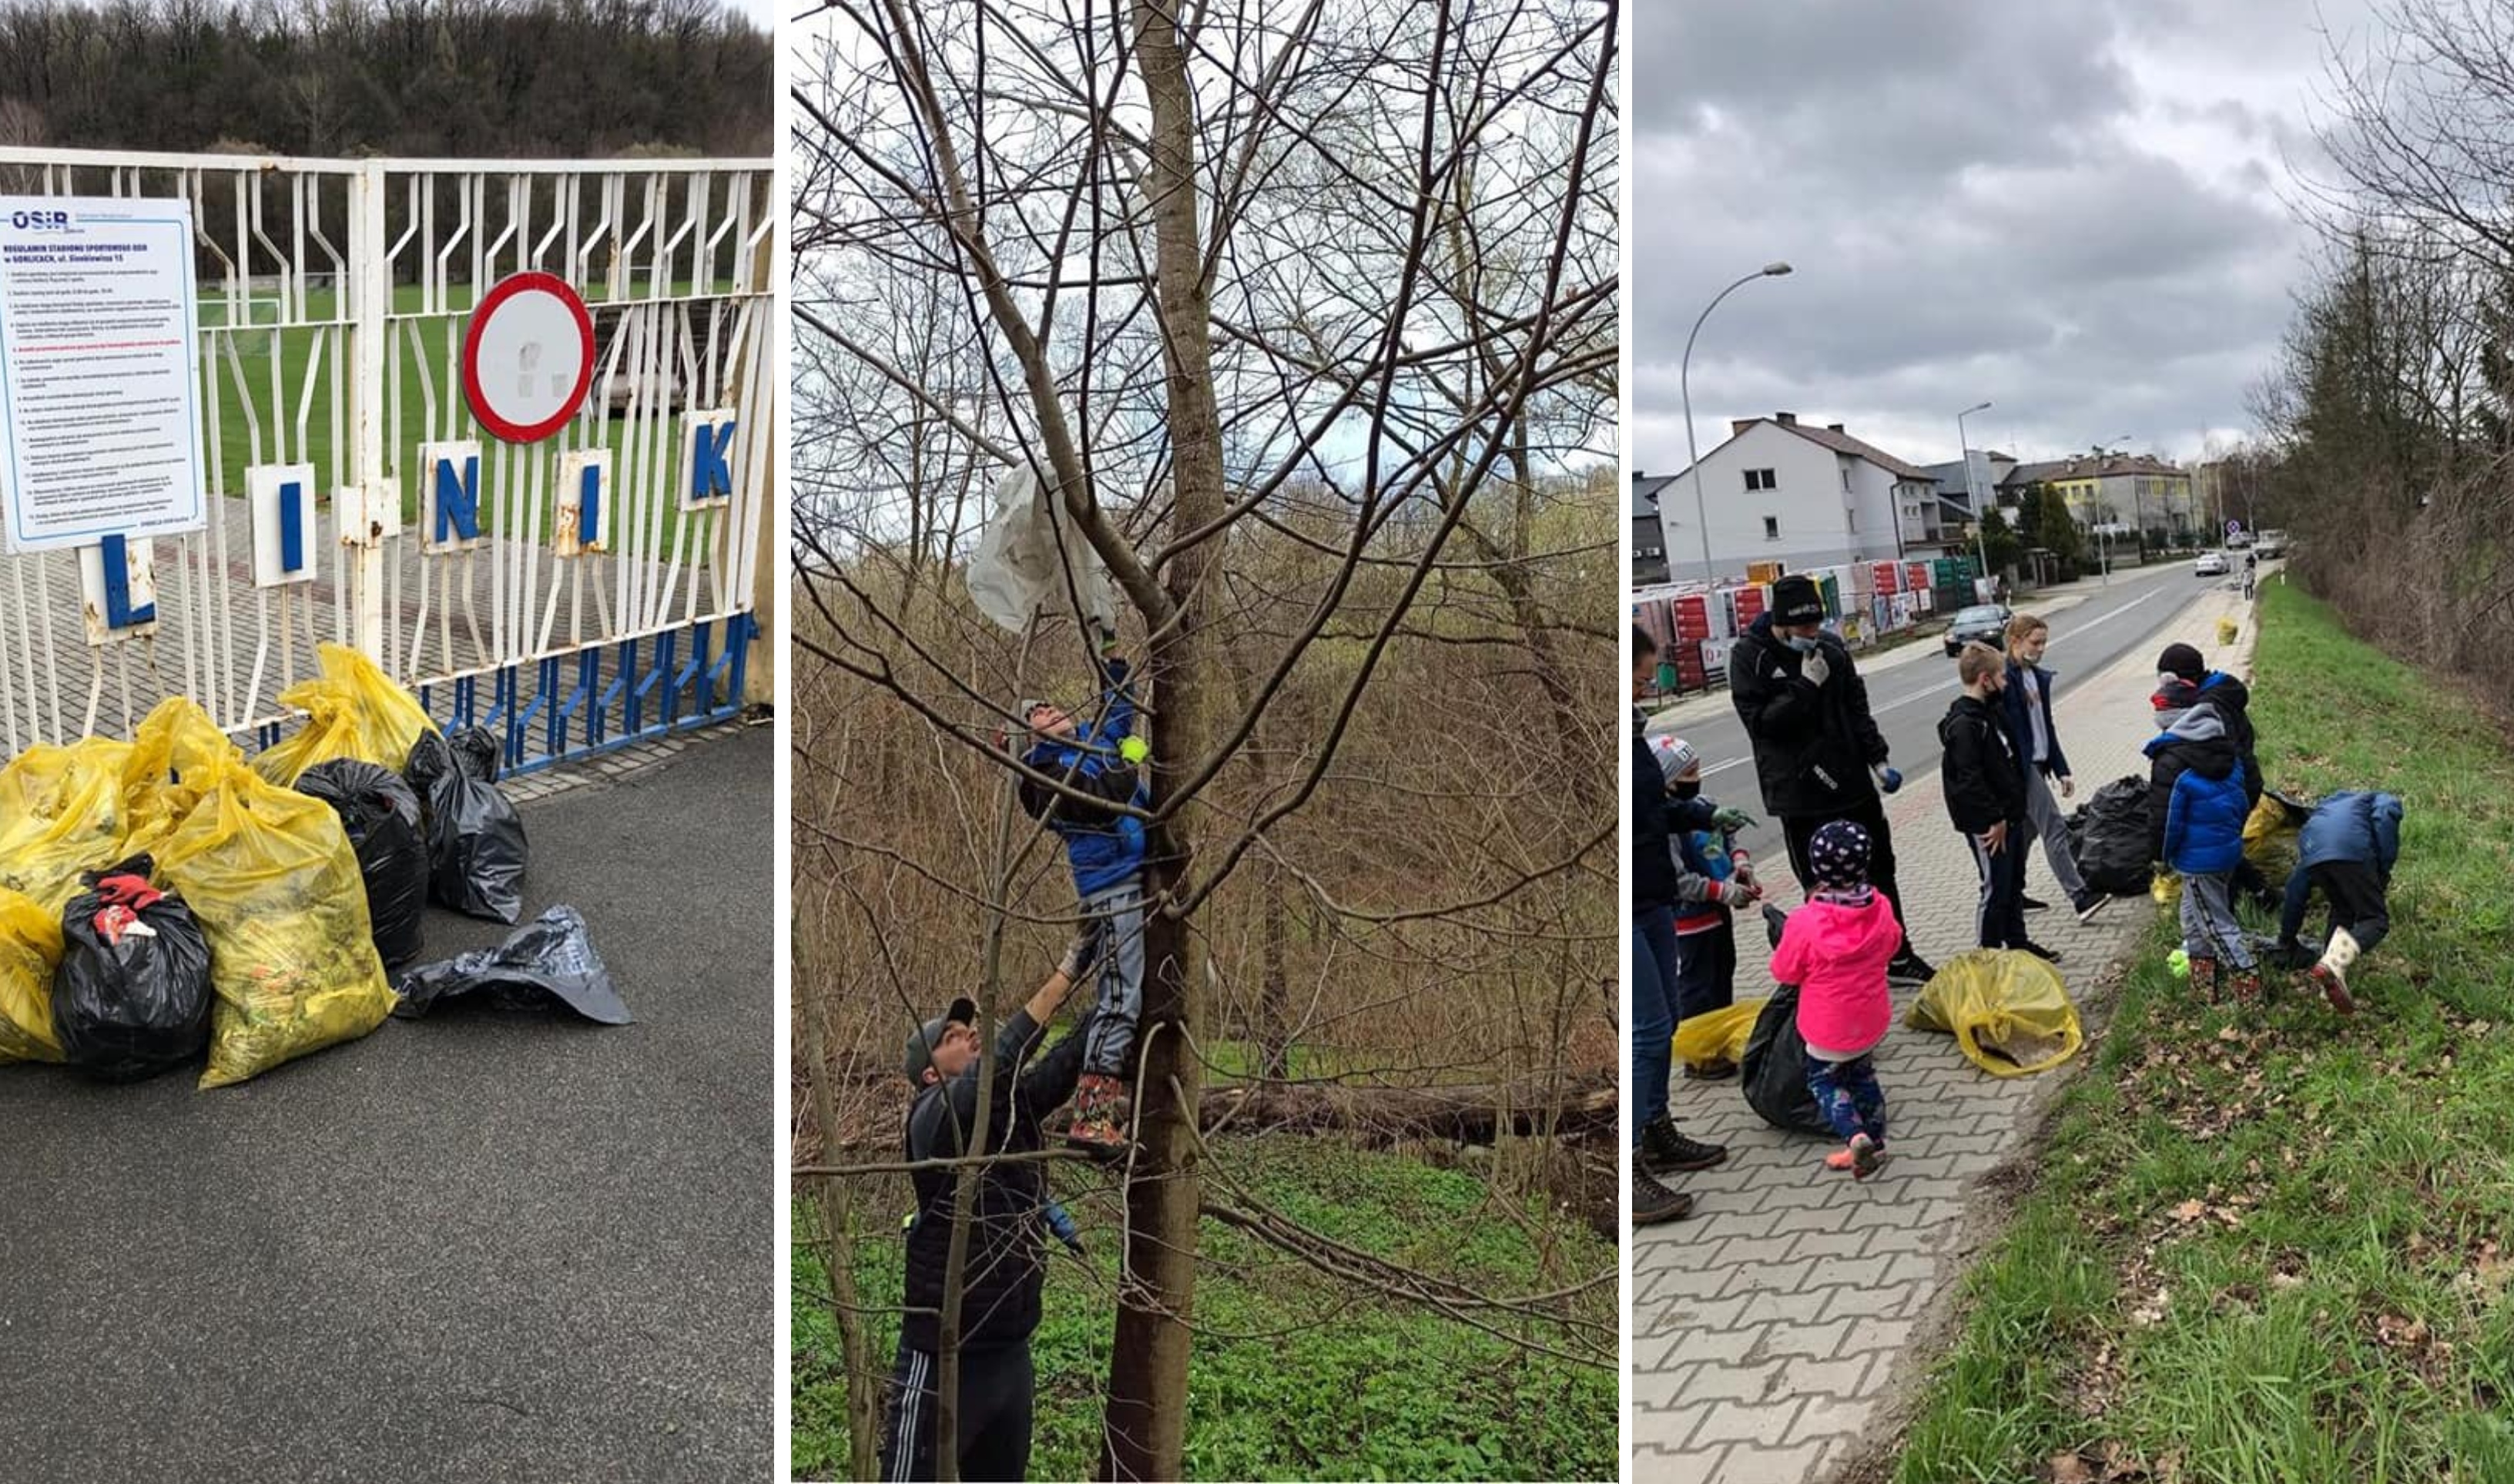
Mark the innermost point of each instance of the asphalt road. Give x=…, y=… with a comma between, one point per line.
x=474, y=1247
x=1908, y=700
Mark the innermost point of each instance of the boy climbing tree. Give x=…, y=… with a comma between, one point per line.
x=1096, y=767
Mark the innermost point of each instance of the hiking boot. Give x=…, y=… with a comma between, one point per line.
x=2203, y=978
x=1666, y=1151
x=1654, y=1203
x=2032, y=906
x=1099, y=1114
x=1861, y=1157
x=2246, y=984
x=1719, y=1070
x=1910, y=968
x=2089, y=903
x=2048, y=955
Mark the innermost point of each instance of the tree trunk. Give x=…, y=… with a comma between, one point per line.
x=1274, y=988
x=863, y=1414
x=1145, y=1433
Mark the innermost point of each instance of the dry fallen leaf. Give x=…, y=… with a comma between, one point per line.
x=2189, y=1211
x=2069, y=1468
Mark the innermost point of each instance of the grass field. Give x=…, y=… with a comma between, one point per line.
x=2272, y=1246
x=1294, y=1375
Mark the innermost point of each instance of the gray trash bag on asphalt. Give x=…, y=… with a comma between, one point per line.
x=547, y=961
x=1024, y=555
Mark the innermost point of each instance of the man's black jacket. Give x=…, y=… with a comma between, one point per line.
x=1814, y=744
x=999, y=1300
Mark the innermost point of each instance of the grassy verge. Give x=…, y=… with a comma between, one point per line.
x=2270, y=1245
x=1294, y=1375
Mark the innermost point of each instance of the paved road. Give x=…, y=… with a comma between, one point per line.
x=1908, y=700
x=475, y=1246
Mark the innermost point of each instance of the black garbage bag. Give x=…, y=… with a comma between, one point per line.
x=549, y=960
x=131, y=996
x=476, y=839
x=2112, y=849
x=381, y=814
x=1774, y=1070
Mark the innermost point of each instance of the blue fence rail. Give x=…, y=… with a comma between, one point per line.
x=563, y=709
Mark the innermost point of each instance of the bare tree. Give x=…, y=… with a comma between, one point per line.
x=1305, y=317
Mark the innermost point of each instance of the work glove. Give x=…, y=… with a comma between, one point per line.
x=1813, y=671
x=1733, y=821
x=1743, y=870
x=1735, y=893
x=1078, y=955
x=2068, y=785
x=1107, y=636
x=1134, y=750
x=1888, y=778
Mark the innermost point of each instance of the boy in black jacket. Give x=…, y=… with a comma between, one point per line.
x=1985, y=788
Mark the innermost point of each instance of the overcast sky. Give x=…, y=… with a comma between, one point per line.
x=2075, y=212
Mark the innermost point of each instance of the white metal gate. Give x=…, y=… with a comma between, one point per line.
x=333, y=296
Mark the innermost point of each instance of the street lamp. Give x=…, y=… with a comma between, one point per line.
x=1972, y=495
x=1684, y=386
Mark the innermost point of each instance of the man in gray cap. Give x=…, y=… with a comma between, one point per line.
x=1005, y=1266
x=1818, y=755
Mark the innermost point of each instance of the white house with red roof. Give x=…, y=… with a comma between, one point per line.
x=1784, y=491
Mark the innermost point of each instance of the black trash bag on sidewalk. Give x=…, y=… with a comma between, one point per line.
x=476, y=839
x=381, y=814
x=2112, y=849
x=547, y=960
x=1772, y=1071
x=131, y=996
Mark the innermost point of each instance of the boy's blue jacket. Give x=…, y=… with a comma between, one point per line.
x=2361, y=829
x=1104, y=846
x=2205, y=807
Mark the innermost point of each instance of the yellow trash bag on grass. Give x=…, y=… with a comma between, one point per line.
x=2008, y=1009
x=2270, y=834
x=1717, y=1035
x=351, y=711
x=2165, y=887
x=271, y=875
x=30, y=949
x=61, y=814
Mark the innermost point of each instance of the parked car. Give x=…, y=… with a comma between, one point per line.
x=2211, y=564
x=1984, y=623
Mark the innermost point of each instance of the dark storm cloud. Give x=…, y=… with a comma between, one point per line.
x=2076, y=211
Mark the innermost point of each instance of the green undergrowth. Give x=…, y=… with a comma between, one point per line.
x=1295, y=1373
x=2271, y=1246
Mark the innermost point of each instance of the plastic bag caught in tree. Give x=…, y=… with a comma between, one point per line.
x=476, y=839
x=31, y=944
x=132, y=996
x=351, y=711
x=62, y=813
x=270, y=876
x=1717, y=1035
x=381, y=814
x=1024, y=555
x=550, y=961
x=2009, y=1011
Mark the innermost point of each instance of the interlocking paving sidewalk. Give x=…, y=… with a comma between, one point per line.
x=1774, y=1327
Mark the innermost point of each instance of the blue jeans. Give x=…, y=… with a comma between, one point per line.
x=1654, y=1002
x=1847, y=1094
x=1115, y=918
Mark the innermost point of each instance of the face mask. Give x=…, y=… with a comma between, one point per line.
x=1688, y=790
x=1805, y=645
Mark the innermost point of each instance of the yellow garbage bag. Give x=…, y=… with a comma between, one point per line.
x=351, y=711
x=271, y=877
x=2270, y=834
x=174, y=754
x=61, y=814
x=2165, y=887
x=2008, y=1009
x=30, y=949
x=1717, y=1035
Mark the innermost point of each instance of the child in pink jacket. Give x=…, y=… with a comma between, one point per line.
x=1834, y=949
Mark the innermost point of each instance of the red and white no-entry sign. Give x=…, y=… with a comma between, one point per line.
x=528, y=358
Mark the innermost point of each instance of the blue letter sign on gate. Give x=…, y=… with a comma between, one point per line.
x=280, y=499
x=709, y=444
x=449, y=500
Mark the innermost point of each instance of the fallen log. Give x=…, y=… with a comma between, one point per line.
x=1465, y=1112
